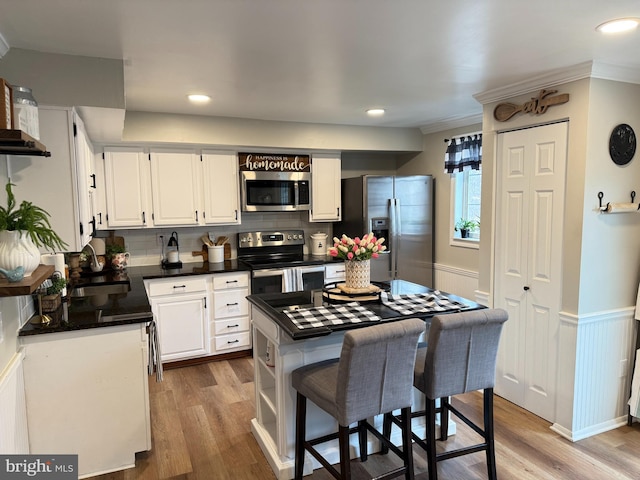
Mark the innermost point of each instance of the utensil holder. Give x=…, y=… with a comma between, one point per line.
x=216, y=254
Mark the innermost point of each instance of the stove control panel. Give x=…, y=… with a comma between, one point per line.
x=270, y=238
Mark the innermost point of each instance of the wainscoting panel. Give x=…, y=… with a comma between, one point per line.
x=14, y=436
x=602, y=352
x=455, y=280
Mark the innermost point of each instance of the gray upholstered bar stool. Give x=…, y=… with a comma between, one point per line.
x=372, y=376
x=460, y=356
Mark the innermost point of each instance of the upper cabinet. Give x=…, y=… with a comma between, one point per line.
x=325, y=188
x=127, y=185
x=221, y=188
x=59, y=184
x=175, y=188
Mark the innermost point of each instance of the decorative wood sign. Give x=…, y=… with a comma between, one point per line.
x=537, y=105
x=265, y=162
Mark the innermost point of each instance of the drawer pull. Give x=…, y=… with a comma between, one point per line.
x=233, y=326
x=179, y=286
x=232, y=281
x=232, y=304
x=234, y=341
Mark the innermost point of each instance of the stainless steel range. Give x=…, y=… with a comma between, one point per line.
x=278, y=263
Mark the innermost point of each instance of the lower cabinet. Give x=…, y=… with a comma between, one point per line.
x=180, y=306
x=230, y=324
x=87, y=393
x=334, y=272
x=201, y=315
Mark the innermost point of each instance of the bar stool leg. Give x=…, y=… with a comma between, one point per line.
x=444, y=418
x=301, y=420
x=362, y=440
x=431, y=438
x=488, y=433
x=343, y=440
x=386, y=431
x=407, y=449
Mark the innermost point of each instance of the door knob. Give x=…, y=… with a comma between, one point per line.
x=526, y=288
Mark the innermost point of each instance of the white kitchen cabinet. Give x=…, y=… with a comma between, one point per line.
x=175, y=187
x=180, y=306
x=326, y=171
x=334, y=272
x=127, y=185
x=221, y=188
x=230, y=323
x=87, y=393
x=60, y=183
x=99, y=197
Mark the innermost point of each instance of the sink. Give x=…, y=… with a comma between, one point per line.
x=91, y=290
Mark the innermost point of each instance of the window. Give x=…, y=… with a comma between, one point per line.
x=463, y=160
x=466, y=189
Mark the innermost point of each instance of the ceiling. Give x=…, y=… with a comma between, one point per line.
x=325, y=61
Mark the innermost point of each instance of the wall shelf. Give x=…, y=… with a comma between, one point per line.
x=27, y=285
x=17, y=142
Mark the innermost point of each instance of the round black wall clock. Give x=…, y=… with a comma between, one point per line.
x=622, y=144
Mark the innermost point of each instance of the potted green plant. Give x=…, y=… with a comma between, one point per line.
x=51, y=301
x=465, y=226
x=24, y=228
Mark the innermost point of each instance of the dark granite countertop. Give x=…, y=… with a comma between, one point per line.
x=273, y=305
x=128, y=306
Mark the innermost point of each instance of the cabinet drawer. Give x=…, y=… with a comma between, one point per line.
x=177, y=285
x=224, y=342
x=334, y=272
x=233, y=325
x=230, y=280
x=232, y=303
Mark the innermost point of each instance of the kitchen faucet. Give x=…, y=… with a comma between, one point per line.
x=95, y=265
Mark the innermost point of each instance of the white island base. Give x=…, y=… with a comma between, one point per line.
x=274, y=425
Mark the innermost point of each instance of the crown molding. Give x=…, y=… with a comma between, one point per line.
x=546, y=80
x=451, y=123
x=618, y=73
x=4, y=46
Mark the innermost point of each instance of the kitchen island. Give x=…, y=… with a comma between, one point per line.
x=282, y=343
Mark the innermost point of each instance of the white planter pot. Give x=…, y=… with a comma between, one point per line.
x=17, y=249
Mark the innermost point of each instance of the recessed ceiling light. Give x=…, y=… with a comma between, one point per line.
x=197, y=98
x=618, y=25
x=375, y=112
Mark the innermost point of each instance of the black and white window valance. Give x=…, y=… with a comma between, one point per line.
x=463, y=153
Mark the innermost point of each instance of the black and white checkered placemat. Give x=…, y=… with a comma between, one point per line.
x=420, y=303
x=330, y=315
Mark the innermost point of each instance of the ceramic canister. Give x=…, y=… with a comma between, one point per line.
x=319, y=243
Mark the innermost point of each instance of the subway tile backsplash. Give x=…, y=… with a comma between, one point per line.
x=145, y=249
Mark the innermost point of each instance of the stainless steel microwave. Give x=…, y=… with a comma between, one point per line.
x=275, y=191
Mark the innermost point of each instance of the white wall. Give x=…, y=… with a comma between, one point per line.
x=610, y=260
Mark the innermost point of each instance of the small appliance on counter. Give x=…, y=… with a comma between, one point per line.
x=172, y=258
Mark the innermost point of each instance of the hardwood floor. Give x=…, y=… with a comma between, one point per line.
x=200, y=417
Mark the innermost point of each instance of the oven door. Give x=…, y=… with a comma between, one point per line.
x=309, y=278
x=272, y=280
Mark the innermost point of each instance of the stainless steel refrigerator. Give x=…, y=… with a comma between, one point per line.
x=400, y=209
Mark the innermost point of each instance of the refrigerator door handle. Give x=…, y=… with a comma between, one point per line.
x=398, y=229
x=393, y=237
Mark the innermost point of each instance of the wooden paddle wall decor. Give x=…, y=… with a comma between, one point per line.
x=537, y=105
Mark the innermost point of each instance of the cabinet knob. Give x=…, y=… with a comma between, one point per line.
x=526, y=288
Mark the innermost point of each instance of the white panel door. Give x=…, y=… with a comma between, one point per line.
x=221, y=188
x=175, y=188
x=531, y=168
